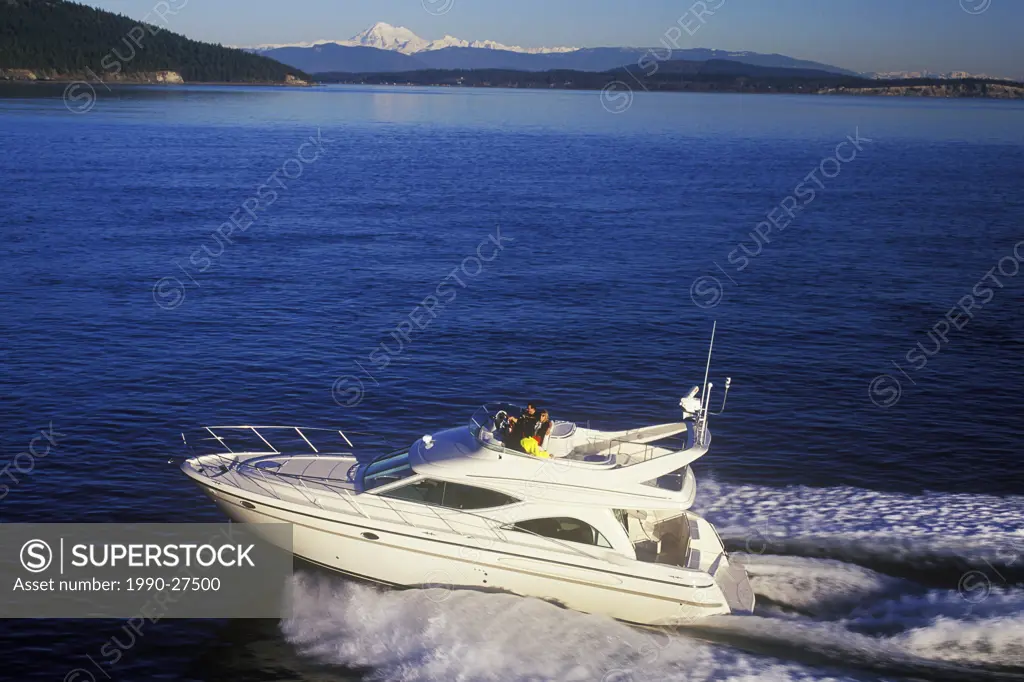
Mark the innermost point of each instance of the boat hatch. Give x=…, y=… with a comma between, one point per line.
x=267, y=464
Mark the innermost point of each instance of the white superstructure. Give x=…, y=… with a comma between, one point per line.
x=603, y=526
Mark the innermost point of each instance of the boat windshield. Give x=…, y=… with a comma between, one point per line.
x=482, y=424
x=387, y=469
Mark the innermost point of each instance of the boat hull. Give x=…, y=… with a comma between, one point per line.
x=391, y=555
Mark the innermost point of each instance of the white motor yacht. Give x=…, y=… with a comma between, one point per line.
x=602, y=526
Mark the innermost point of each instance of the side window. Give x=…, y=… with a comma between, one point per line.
x=565, y=529
x=451, y=495
x=426, y=491
x=459, y=496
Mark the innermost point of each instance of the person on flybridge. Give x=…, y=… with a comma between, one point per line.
x=527, y=432
x=531, y=442
x=527, y=421
x=540, y=432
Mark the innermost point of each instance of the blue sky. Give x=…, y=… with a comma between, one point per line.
x=864, y=35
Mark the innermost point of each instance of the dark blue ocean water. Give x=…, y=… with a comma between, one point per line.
x=125, y=320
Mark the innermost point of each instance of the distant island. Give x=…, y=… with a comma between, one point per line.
x=691, y=76
x=57, y=40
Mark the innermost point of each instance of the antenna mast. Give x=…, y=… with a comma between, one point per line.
x=705, y=396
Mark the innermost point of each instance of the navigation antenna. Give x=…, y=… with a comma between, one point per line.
x=705, y=408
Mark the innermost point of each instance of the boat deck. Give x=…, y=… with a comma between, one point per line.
x=575, y=442
x=267, y=459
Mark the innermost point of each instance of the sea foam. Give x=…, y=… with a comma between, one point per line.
x=907, y=585
x=428, y=635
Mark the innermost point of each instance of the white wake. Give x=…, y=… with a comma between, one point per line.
x=956, y=604
x=434, y=635
x=978, y=530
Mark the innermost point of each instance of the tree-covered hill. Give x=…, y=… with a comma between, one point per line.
x=59, y=39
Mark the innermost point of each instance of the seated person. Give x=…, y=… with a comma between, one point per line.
x=531, y=442
x=520, y=427
x=540, y=431
x=528, y=419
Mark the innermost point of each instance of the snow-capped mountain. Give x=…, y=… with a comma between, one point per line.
x=387, y=37
x=384, y=36
x=950, y=75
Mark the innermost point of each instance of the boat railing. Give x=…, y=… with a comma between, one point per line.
x=228, y=443
x=272, y=440
x=626, y=451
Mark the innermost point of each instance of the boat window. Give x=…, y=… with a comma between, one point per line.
x=459, y=496
x=570, y=530
x=387, y=469
x=451, y=495
x=426, y=491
